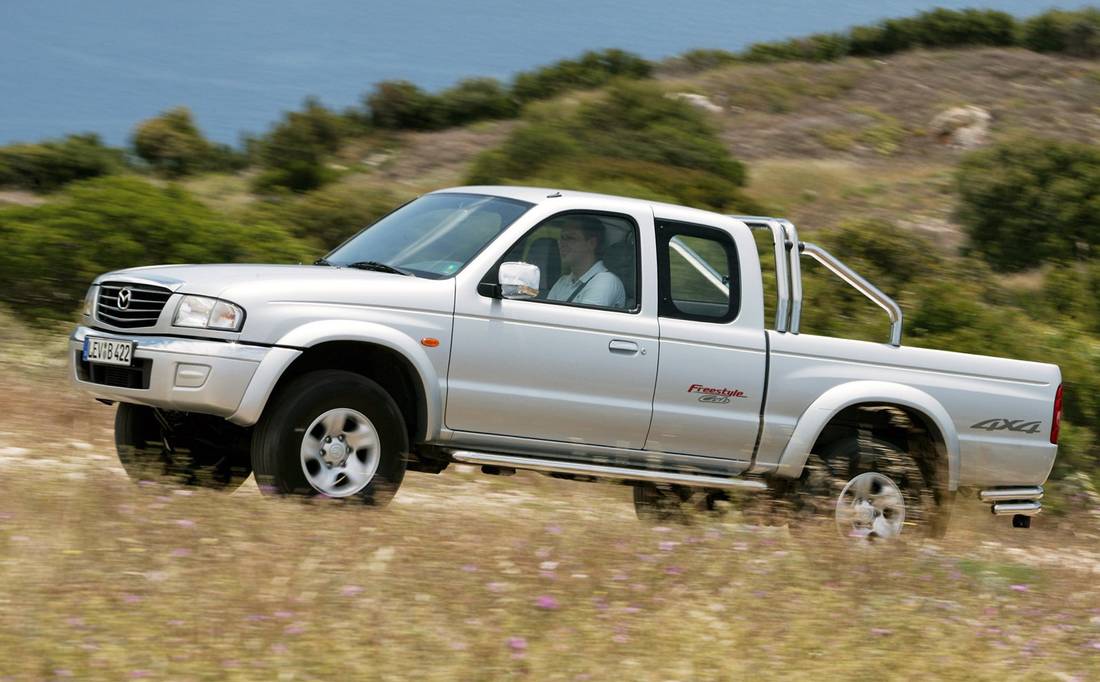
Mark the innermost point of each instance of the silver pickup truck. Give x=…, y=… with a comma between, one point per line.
x=580, y=335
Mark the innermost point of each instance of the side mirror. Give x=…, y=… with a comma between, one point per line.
x=519, y=281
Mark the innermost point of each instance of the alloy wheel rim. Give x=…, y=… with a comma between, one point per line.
x=340, y=452
x=871, y=506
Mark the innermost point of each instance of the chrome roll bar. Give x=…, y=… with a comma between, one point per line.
x=782, y=265
x=859, y=284
x=788, y=271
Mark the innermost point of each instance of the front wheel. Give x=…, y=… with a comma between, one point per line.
x=331, y=433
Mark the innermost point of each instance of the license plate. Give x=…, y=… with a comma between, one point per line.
x=108, y=351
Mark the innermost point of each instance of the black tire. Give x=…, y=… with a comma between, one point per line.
x=277, y=438
x=662, y=504
x=812, y=500
x=189, y=449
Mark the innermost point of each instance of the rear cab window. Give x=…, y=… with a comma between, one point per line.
x=698, y=274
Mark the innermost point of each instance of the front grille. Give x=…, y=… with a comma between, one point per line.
x=142, y=310
x=134, y=376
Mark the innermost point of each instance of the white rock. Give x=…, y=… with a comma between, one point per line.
x=701, y=101
x=965, y=127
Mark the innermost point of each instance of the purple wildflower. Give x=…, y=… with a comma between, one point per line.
x=547, y=602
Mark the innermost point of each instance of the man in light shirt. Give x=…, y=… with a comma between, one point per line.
x=585, y=280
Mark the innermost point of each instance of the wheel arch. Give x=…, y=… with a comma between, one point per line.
x=379, y=352
x=840, y=400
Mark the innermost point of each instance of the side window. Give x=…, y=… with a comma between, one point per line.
x=698, y=273
x=584, y=259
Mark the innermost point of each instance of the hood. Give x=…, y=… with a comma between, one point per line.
x=253, y=286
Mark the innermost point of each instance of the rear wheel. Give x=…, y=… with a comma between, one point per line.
x=331, y=433
x=865, y=488
x=190, y=449
x=673, y=503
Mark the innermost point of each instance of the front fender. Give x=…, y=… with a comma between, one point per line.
x=323, y=331
x=817, y=416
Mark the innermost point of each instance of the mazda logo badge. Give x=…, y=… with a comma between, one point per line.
x=124, y=298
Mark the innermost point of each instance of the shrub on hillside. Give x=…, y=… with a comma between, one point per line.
x=172, y=144
x=701, y=59
x=591, y=70
x=47, y=165
x=1070, y=292
x=819, y=47
x=1029, y=201
x=53, y=251
x=329, y=215
x=293, y=154
x=937, y=28
x=401, y=105
x=476, y=99
x=1074, y=33
x=633, y=134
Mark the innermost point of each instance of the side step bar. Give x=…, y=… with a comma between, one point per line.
x=606, y=471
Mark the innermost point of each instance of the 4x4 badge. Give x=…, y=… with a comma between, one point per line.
x=1008, y=425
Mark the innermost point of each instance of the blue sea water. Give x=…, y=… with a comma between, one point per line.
x=102, y=66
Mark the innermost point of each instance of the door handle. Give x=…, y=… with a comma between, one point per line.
x=620, y=346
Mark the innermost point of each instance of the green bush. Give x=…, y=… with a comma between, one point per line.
x=476, y=99
x=329, y=215
x=45, y=166
x=697, y=60
x=172, y=144
x=938, y=28
x=53, y=251
x=1028, y=201
x=819, y=47
x=1074, y=33
x=293, y=154
x=591, y=70
x=397, y=105
x=633, y=135
x=1070, y=292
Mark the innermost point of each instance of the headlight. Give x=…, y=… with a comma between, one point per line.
x=89, y=300
x=208, y=313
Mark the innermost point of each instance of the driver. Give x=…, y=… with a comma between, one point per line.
x=585, y=280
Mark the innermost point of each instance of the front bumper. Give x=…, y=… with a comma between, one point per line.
x=185, y=374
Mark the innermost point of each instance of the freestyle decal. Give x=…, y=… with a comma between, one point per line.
x=719, y=396
x=1018, y=425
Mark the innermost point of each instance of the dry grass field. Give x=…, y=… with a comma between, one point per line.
x=471, y=577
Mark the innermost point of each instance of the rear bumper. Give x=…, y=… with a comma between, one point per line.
x=190, y=375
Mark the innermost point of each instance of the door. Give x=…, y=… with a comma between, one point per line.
x=711, y=380
x=576, y=364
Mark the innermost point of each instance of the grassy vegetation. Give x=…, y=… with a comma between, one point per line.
x=467, y=576
x=545, y=582
x=472, y=577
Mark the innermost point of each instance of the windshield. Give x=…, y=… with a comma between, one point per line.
x=433, y=236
